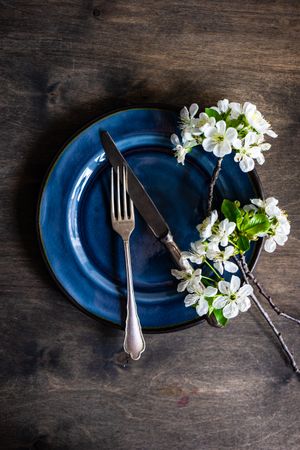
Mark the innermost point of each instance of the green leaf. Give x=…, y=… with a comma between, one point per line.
x=218, y=313
x=243, y=243
x=233, y=123
x=259, y=223
x=230, y=210
x=239, y=222
x=213, y=113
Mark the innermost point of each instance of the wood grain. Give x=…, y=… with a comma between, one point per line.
x=64, y=383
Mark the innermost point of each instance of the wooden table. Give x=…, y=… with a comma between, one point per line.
x=64, y=384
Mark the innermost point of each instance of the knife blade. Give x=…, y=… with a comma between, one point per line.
x=142, y=200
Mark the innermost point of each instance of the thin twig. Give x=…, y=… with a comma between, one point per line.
x=269, y=321
x=212, y=185
x=247, y=276
x=264, y=293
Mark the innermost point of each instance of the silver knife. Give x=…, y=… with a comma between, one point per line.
x=142, y=200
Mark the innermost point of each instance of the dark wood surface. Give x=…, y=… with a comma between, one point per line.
x=64, y=383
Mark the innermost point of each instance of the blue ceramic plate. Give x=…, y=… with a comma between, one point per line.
x=83, y=252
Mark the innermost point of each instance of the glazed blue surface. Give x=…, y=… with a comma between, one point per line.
x=86, y=255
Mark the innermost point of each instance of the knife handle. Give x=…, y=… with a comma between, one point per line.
x=174, y=250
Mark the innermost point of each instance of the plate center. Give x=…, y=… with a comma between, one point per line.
x=180, y=194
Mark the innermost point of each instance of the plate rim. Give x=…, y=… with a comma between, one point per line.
x=151, y=330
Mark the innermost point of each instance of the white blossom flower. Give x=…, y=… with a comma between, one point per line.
x=199, y=299
x=236, y=110
x=284, y=224
x=248, y=208
x=280, y=226
x=257, y=120
x=272, y=241
x=269, y=205
x=189, y=124
x=197, y=253
x=205, y=121
x=234, y=298
x=225, y=229
x=205, y=228
x=218, y=139
x=191, y=279
x=222, y=106
x=253, y=116
x=249, y=149
x=280, y=232
x=181, y=150
x=263, y=147
x=221, y=258
x=187, y=114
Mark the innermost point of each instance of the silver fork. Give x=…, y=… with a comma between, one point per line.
x=123, y=223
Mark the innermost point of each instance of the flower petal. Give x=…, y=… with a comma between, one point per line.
x=280, y=239
x=198, y=273
x=248, y=208
x=257, y=202
x=202, y=307
x=230, y=227
x=210, y=291
x=208, y=144
x=230, y=267
x=182, y=285
x=221, y=149
x=284, y=228
x=210, y=131
x=223, y=105
x=224, y=241
x=178, y=274
x=231, y=134
x=185, y=255
x=191, y=299
x=175, y=139
x=184, y=113
x=221, y=127
x=236, y=109
x=237, y=143
x=218, y=265
x=270, y=245
x=272, y=210
x=271, y=133
x=235, y=283
x=231, y=310
x=193, y=109
x=250, y=139
x=243, y=303
x=245, y=290
x=246, y=164
x=220, y=302
x=229, y=251
x=224, y=287
x=260, y=159
x=213, y=216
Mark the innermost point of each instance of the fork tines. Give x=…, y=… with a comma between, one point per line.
x=119, y=209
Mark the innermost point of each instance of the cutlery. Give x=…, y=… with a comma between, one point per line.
x=122, y=219
x=142, y=200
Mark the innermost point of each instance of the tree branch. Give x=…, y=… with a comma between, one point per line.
x=213, y=181
x=269, y=321
x=264, y=293
x=248, y=277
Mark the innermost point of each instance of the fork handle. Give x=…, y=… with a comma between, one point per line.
x=134, y=343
